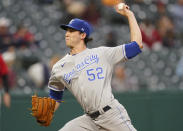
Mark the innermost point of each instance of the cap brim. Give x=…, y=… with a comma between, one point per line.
x=65, y=27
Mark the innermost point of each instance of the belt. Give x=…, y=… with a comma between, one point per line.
x=94, y=115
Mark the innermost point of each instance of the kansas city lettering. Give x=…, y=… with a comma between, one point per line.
x=91, y=59
x=87, y=61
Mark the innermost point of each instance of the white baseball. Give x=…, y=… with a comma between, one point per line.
x=121, y=6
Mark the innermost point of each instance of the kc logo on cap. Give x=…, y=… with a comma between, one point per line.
x=71, y=21
x=83, y=29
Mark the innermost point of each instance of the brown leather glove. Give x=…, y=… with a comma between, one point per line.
x=43, y=109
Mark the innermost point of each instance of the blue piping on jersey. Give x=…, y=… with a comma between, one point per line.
x=132, y=49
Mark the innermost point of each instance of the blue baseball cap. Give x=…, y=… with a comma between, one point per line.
x=80, y=25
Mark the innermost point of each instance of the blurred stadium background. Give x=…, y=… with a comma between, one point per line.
x=149, y=86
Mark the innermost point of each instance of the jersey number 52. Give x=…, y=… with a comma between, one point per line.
x=95, y=73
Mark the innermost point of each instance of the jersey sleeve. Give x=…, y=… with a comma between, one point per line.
x=115, y=54
x=122, y=52
x=55, y=83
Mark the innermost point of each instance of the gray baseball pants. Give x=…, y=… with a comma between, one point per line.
x=115, y=119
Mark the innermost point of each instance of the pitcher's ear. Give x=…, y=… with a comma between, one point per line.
x=83, y=36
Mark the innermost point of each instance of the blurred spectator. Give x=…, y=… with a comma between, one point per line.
x=10, y=58
x=75, y=8
x=161, y=9
x=111, y=39
x=40, y=72
x=120, y=82
x=6, y=38
x=23, y=37
x=166, y=31
x=177, y=15
x=4, y=82
x=91, y=14
x=153, y=36
x=150, y=35
x=7, y=49
x=169, y=39
x=72, y=9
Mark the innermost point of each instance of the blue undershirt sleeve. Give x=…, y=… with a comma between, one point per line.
x=56, y=95
x=132, y=49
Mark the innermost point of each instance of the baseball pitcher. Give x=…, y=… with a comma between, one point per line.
x=87, y=74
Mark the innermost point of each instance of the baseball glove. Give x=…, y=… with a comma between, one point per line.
x=43, y=109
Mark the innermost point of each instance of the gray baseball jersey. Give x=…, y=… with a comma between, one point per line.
x=87, y=75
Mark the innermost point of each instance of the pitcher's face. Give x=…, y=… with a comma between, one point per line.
x=72, y=37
